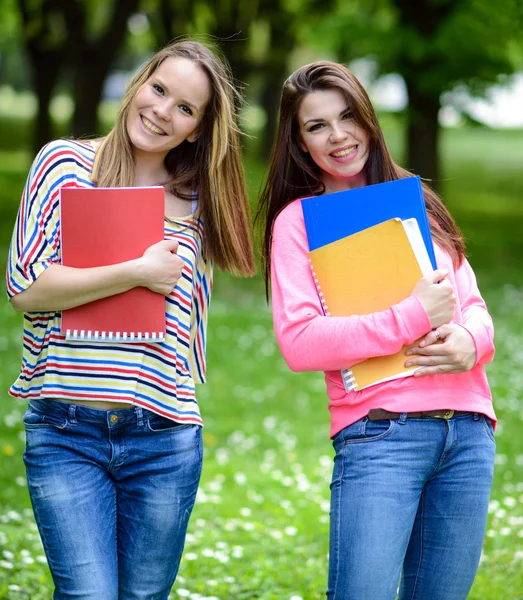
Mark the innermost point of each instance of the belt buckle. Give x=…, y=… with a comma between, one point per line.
x=446, y=416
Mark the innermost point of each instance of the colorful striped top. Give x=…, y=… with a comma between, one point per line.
x=158, y=376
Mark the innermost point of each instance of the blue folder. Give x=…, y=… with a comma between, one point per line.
x=331, y=217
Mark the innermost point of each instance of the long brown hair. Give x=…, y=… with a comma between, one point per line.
x=211, y=165
x=293, y=174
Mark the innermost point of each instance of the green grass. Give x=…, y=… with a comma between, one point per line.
x=259, y=529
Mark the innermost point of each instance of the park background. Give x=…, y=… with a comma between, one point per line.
x=433, y=68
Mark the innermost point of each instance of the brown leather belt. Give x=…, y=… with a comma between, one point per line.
x=379, y=414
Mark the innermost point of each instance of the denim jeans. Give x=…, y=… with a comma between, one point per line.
x=409, y=501
x=112, y=492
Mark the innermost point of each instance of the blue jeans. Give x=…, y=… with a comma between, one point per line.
x=409, y=500
x=112, y=492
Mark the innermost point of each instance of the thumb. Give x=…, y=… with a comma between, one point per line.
x=437, y=276
x=171, y=245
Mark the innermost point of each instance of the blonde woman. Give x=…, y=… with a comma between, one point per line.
x=114, y=444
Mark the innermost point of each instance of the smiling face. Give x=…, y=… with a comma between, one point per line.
x=334, y=141
x=168, y=107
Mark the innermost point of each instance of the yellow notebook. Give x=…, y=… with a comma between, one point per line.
x=367, y=272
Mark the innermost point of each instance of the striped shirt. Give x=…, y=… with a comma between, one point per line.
x=158, y=376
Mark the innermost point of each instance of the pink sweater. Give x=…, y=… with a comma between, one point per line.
x=310, y=341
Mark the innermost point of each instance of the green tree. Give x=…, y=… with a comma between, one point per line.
x=13, y=59
x=45, y=39
x=226, y=22
x=80, y=36
x=446, y=43
x=435, y=45
x=96, y=31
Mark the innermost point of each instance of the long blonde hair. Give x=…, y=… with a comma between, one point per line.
x=211, y=165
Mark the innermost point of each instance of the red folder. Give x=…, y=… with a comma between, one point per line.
x=105, y=226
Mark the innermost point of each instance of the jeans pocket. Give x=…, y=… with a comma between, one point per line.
x=38, y=419
x=487, y=423
x=158, y=424
x=370, y=431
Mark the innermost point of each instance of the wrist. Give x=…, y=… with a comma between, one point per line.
x=134, y=272
x=414, y=316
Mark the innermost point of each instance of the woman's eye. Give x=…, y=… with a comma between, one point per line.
x=158, y=88
x=186, y=109
x=347, y=115
x=316, y=127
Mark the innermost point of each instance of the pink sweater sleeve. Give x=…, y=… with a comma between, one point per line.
x=310, y=341
x=475, y=317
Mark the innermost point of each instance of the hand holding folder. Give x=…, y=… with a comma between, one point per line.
x=161, y=266
x=104, y=226
x=393, y=268
x=367, y=272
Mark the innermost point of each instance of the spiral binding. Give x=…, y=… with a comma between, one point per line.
x=349, y=381
x=320, y=293
x=113, y=336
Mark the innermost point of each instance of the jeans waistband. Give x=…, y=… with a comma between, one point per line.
x=76, y=412
x=380, y=414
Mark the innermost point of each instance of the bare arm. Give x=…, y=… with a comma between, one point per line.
x=60, y=287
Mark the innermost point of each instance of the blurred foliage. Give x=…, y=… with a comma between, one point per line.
x=470, y=42
x=434, y=44
x=262, y=451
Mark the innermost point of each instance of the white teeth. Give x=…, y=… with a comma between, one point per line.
x=343, y=153
x=152, y=128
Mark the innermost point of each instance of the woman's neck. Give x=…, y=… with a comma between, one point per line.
x=339, y=184
x=149, y=169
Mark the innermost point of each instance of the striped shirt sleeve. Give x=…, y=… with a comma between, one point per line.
x=199, y=313
x=36, y=236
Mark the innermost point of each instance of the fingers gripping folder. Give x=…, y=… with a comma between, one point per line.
x=363, y=262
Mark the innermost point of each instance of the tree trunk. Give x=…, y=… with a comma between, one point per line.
x=88, y=85
x=167, y=23
x=423, y=19
x=43, y=130
x=46, y=62
x=270, y=100
x=46, y=68
x=423, y=135
x=283, y=40
x=92, y=60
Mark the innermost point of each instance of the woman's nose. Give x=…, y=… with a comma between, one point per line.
x=162, y=110
x=337, y=133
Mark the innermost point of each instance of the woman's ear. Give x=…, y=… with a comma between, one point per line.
x=302, y=145
x=194, y=135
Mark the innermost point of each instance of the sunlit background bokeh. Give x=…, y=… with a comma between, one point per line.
x=447, y=80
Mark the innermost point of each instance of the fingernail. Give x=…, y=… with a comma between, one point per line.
x=409, y=363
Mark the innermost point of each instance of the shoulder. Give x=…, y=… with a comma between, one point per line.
x=290, y=217
x=289, y=233
x=443, y=260
x=59, y=163
x=65, y=152
x=62, y=161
